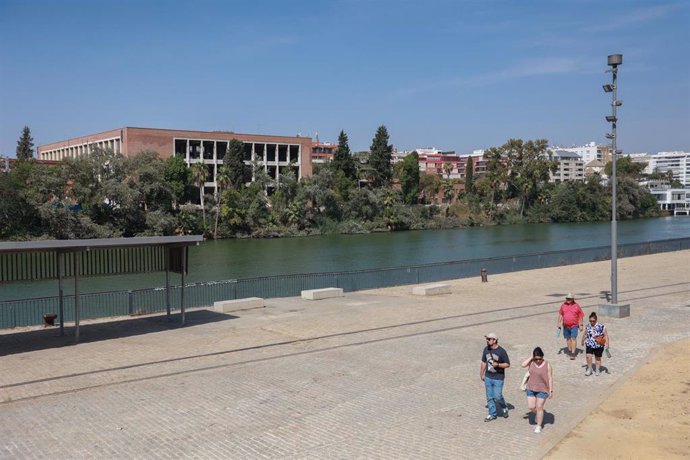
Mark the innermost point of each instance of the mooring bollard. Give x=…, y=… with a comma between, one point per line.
x=485, y=276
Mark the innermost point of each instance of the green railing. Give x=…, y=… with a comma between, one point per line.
x=26, y=312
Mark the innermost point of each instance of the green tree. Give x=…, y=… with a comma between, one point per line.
x=199, y=172
x=469, y=175
x=447, y=169
x=519, y=168
x=430, y=184
x=626, y=167
x=25, y=145
x=448, y=190
x=176, y=174
x=380, y=158
x=633, y=200
x=494, y=181
x=146, y=173
x=342, y=159
x=222, y=181
x=409, y=178
x=233, y=160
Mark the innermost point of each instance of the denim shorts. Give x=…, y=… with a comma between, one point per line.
x=539, y=394
x=570, y=332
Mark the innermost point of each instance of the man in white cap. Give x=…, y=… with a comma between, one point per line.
x=570, y=317
x=495, y=361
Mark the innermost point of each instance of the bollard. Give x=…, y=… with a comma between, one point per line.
x=485, y=276
x=49, y=319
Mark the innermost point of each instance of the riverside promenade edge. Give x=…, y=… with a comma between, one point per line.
x=375, y=374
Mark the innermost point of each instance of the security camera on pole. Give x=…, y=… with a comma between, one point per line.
x=614, y=309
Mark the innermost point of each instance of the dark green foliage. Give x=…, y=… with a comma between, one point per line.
x=625, y=167
x=146, y=174
x=342, y=159
x=634, y=201
x=409, y=178
x=380, y=158
x=233, y=160
x=362, y=205
x=106, y=195
x=177, y=175
x=430, y=185
x=579, y=202
x=25, y=145
x=469, y=176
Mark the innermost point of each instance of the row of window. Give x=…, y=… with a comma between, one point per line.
x=74, y=151
x=198, y=149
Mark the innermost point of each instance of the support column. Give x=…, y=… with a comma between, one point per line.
x=61, y=299
x=77, y=269
x=167, y=283
x=184, y=269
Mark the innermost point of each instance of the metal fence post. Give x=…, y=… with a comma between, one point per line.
x=130, y=302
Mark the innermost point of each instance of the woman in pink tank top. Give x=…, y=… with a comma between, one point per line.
x=539, y=385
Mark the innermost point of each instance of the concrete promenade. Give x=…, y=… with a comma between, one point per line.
x=373, y=374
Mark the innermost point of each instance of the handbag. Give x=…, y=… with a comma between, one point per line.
x=600, y=340
x=523, y=384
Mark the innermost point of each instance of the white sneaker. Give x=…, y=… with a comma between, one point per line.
x=588, y=372
x=597, y=372
x=537, y=429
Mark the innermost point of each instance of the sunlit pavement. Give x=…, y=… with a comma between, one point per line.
x=374, y=374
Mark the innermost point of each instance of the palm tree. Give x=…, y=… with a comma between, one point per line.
x=199, y=172
x=448, y=169
x=222, y=180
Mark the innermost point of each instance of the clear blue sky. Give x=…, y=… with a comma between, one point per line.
x=456, y=75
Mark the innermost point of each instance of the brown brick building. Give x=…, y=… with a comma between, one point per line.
x=277, y=154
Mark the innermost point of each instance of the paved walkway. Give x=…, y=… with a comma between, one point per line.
x=375, y=374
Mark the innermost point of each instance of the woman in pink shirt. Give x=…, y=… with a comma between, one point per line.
x=539, y=385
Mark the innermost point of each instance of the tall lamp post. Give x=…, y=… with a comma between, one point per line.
x=614, y=309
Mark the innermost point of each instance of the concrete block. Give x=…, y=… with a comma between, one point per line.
x=613, y=310
x=325, y=293
x=225, y=306
x=431, y=289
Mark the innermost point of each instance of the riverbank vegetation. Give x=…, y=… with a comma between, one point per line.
x=107, y=195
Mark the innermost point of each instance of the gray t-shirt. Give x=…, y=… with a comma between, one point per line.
x=498, y=355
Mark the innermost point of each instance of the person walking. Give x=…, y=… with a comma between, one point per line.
x=492, y=371
x=570, y=317
x=595, y=339
x=539, y=385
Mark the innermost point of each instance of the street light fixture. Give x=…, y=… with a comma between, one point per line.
x=614, y=309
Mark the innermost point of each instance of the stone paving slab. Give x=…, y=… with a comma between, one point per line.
x=374, y=374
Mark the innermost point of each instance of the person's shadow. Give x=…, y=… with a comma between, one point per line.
x=578, y=351
x=549, y=418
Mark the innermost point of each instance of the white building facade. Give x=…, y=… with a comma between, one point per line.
x=589, y=152
x=571, y=167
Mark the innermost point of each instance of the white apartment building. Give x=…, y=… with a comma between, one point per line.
x=571, y=167
x=675, y=200
x=677, y=162
x=589, y=152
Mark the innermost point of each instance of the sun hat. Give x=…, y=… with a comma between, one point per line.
x=569, y=296
x=491, y=335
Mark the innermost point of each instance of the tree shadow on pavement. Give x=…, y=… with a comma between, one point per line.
x=23, y=341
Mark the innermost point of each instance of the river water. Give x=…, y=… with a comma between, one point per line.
x=233, y=259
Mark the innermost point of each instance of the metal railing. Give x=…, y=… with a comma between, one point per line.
x=26, y=312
